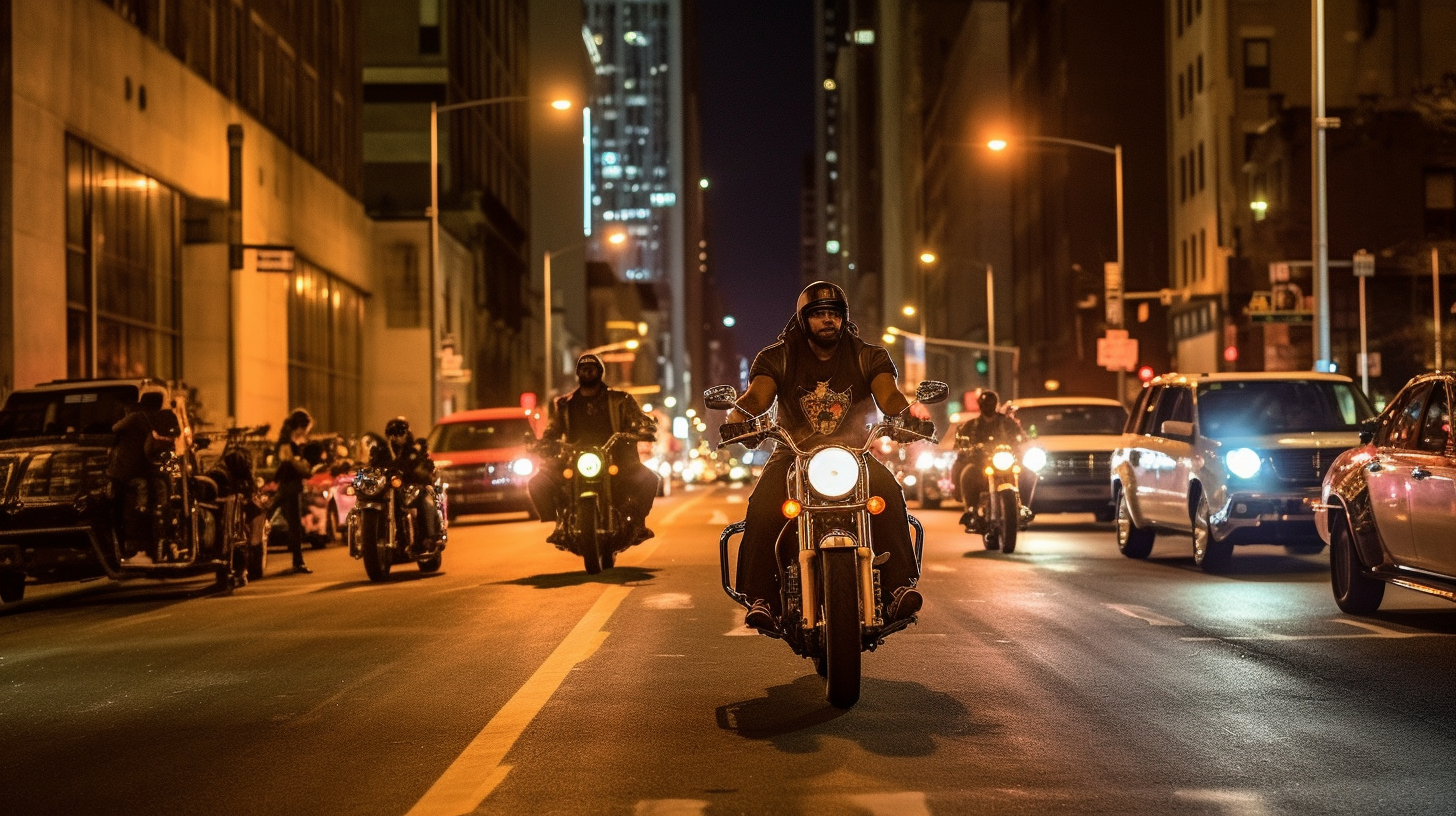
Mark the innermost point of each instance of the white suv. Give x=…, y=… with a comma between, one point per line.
x=1233, y=458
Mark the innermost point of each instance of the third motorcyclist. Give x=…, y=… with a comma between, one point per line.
x=828, y=383
x=987, y=430
x=410, y=458
x=589, y=416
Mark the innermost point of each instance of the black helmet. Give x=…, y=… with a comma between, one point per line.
x=986, y=401
x=821, y=295
x=399, y=426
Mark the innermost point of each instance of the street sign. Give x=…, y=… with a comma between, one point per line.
x=1117, y=351
x=1364, y=263
x=273, y=259
x=1112, y=292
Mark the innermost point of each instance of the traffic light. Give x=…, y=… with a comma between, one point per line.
x=983, y=365
x=1146, y=373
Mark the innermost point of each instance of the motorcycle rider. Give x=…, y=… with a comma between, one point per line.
x=590, y=415
x=410, y=457
x=989, y=429
x=828, y=383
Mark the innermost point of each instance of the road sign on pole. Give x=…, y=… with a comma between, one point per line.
x=1112, y=293
x=1116, y=351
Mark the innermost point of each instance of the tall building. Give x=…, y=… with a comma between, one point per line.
x=129, y=128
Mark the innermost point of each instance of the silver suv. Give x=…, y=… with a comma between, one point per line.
x=1234, y=458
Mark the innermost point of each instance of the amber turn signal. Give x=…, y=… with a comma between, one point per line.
x=792, y=509
x=567, y=473
x=876, y=505
x=612, y=470
x=396, y=482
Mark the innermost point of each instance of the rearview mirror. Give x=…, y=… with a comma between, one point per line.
x=721, y=398
x=1367, y=429
x=1173, y=427
x=930, y=392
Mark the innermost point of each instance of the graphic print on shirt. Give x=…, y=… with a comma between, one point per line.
x=825, y=408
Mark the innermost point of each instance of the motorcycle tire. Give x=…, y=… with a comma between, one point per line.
x=842, y=640
x=609, y=560
x=1010, y=518
x=431, y=564
x=591, y=554
x=377, y=558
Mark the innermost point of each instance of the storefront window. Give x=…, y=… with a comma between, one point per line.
x=122, y=276
x=325, y=336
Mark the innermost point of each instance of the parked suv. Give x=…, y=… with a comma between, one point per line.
x=1233, y=458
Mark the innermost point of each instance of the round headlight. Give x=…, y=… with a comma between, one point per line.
x=589, y=465
x=909, y=480
x=369, y=483
x=523, y=467
x=1243, y=462
x=1034, y=458
x=925, y=461
x=833, y=472
x=1003, y=460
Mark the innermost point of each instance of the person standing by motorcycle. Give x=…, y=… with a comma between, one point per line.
x=588, y=416
x=989, y=429
x=828, y=383
x=410, y=458
x=292, y=470
x=147, y=427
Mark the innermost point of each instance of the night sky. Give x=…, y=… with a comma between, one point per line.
x=757, y=112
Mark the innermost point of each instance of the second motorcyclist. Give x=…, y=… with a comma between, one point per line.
x=987, y=430
x=590, y=415
x=410, y=458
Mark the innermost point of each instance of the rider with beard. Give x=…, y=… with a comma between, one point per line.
x=410, y=457
x=828, y=383
x=990, y=429
x=589, y=416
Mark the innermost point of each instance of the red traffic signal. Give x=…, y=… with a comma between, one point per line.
x=1146, y=373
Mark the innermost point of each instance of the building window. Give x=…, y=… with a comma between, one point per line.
x=1440, y=203
x=1182, y=92
x=123, y=245
x=1200, y=166
x=1183, y=270
x=1256, y=63
x=1203, y=254
x=325, y=358
x=1182, y=178
x=1198, y=73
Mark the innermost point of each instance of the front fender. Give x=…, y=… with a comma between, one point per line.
x=1347, y=501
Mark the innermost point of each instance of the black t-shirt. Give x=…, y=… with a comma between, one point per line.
x=824, y=402
x=590, y=418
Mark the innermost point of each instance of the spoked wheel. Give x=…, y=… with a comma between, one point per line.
x=1132, y=541
x=591, y=554
x=1209, y=553
x=377, y=558
x=1010, y=520
x=1355, y=591
x=841, y=627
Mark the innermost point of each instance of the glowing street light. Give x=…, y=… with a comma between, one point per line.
x=927, y=257
x=617, y=238
x=908, y=311
x=997, y=144
x=561, y=104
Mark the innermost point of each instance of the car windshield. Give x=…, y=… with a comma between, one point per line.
x=1068, y=420
x=482, y=434
x=52, y=413
x=1259, y=407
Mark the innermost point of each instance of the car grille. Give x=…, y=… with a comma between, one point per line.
x=60, y=476
x=495, y=475
x=1085, y=466
x=1304, y=466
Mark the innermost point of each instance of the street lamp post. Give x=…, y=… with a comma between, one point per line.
x=1116, y=152
x=435, y=274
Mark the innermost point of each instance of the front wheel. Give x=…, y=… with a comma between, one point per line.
x=591, y=554
x=1010, y=520
x=1132, y=541
x=1355, y=591
x=377, y=558
x=1209, y=553
x=841, y=627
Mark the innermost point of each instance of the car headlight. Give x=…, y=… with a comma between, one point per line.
x=1003, y=459
x=1243, y=462
x=523, y=467
x=738, y=473
x=833, y=472
x=909, y=480
x=589, y=465
x=1034, y=458
x=925, y=461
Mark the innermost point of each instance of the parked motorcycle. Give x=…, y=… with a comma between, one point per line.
x=833, y=606
x=593, y=526
x=384, y=527
x=998, y=513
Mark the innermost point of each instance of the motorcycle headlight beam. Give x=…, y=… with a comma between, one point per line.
x=1034, y=458
x=589, y=465
x=1003, y=460
x=833, y=472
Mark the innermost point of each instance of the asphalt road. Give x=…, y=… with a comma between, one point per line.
x=1063, y=678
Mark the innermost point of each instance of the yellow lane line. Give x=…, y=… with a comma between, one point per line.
x=479, y=768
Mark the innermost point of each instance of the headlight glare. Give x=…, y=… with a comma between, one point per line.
x=1243, y=462
x=589, y=465
x=833, y=472
x=1034, y=458
x=925, y=461
x=1003, y=459
x=523, y=467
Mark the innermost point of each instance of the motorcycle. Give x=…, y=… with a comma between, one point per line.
x=833, y=606
x=592, y=524
x=999, y=513
x=384, y=527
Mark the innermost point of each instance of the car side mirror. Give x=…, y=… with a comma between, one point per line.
x=930, y=392
x=1173, y=427
x=721, y=398
x=1367, y=430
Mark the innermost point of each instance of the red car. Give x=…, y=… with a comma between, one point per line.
x=483, y=458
